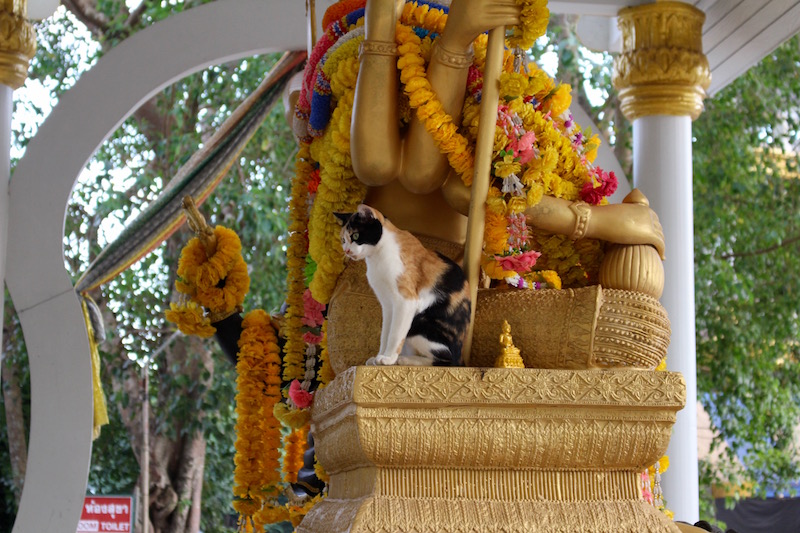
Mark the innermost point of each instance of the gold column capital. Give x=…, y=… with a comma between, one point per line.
x=17, y=42
x=662, y=69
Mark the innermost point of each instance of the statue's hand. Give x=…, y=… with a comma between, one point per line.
x=469, y=18
x=631, y=222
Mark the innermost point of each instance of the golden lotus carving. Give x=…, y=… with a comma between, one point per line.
x=662, y=69
x=17, y=44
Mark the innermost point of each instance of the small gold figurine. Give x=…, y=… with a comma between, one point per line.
x=509, y=357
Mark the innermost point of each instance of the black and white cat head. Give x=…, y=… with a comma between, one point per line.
x=361, y=231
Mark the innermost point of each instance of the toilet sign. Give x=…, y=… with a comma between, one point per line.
x=106, y=514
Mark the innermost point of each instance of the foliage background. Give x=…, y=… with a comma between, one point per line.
x=191, y=382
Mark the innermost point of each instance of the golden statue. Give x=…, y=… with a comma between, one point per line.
x=409, y=180
x=556, y=447
x=509, y=355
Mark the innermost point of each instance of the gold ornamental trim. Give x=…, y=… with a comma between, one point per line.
x=498, y=485
x=17, y=44
x=402, y=515
x=397, y=386
x=662, y=69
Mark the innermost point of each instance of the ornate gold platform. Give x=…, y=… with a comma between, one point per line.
x=500, y=450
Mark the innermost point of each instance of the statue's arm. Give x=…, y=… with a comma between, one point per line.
x=379, y=153
x=374, y=134
x=631, y=222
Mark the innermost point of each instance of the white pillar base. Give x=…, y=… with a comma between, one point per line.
x=662, y=169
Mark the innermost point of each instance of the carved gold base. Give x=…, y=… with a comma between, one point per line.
x=590, y=327
x=399, y=515
x=470, y=449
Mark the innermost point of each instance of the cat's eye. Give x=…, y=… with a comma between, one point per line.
x=354, y=236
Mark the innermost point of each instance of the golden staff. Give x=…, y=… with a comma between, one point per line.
x=311, y=19
x=480, y=180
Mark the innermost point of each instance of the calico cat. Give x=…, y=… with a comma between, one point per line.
x=424, y=295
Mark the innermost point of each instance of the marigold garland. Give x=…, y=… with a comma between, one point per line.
x=256, y=475
x=325, y=374
x=220, y=282
x=294, y=349
x=190, y=319
x=294, y=446
x=213, y=287
x=423, y=99
x=298, y=511
x=533, y=23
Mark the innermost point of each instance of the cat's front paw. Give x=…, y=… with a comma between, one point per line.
x=382, y=359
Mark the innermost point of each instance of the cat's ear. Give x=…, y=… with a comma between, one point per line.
x=343, y=217
x=368, y=213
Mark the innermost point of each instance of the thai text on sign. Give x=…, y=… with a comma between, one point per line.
x=106, y=514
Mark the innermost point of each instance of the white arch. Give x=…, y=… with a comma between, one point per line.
x=61, y=405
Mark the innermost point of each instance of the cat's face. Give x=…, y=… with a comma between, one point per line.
x=361, y=232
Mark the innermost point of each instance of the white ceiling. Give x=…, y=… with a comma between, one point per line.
x=737, y=33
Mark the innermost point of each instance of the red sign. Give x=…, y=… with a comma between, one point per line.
x=106, y=513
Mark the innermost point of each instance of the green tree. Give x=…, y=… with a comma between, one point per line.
x=191, y=393
x=747, y=239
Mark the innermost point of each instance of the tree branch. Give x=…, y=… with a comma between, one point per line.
x=86, y=12
x=136, y=15
x=155, y=124
x=761, y=251
x=15, y=420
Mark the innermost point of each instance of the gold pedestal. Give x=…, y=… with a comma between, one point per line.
x=472, y=449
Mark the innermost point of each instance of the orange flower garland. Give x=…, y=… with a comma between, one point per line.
x=190, y=319
x=429, y=109
x=256, y=476
x=200, y=275
x=214, y=287
x=294, y=445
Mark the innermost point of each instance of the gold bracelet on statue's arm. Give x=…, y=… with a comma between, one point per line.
x=450, y=58
x=582, y=214
x=377, y=48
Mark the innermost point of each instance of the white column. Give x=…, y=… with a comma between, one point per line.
x=6, y=106
x=662, y=169
x=662, y=75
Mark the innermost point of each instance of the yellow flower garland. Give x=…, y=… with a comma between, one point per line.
x=325, y=374
x=190, y=319
x=215, y=286
x=533, y=24
x=294, y=349
x=256, y=476
x=200, y=275
x=429, y=109
x=339, y=189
